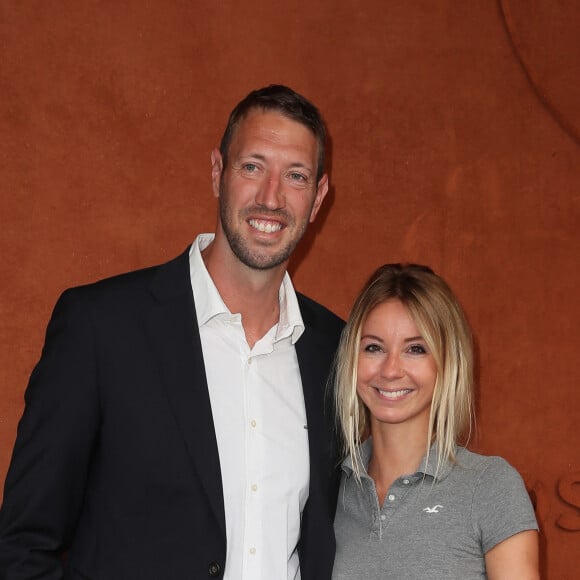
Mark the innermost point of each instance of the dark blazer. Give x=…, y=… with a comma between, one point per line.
x=116, y=461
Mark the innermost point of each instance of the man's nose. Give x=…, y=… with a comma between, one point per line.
x=270, y=193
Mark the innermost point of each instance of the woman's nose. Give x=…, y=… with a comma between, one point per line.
x=392, y=367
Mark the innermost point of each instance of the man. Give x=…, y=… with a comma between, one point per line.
x=175, y=426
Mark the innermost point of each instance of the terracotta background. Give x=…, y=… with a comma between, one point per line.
x=455, y=142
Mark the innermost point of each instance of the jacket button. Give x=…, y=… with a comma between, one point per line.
x=214, y=569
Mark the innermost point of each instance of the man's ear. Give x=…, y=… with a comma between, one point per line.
x=217, y=167
x=321, y=191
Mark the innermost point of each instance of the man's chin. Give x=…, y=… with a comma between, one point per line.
x=262, y=254
x=263, y=262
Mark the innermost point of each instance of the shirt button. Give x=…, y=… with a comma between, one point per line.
x=253, y=423
x=252, y=551
x=391, y=497
x=383, y=517
x=214, y=569
x=406, y=481
x=249, y=361
x=254, y=487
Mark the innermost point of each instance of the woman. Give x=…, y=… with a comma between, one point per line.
x=413, y=503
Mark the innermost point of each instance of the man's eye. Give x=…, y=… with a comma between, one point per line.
x=298, y=176
x=250, y=167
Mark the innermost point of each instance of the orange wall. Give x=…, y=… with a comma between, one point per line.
x=455, y=142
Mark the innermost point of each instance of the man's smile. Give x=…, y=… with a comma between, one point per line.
x=266, y=226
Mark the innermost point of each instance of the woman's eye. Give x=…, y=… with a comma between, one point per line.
x=417, y=349
x=372, y=348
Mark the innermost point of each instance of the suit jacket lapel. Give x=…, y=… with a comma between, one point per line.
x=174, y=331
x=315, y=355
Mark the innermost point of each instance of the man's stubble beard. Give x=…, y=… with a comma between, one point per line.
x=254, y=258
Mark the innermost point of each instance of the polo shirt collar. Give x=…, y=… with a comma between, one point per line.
x=427, y=466
x=209, y=303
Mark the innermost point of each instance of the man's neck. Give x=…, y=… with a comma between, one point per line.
x=252, y=293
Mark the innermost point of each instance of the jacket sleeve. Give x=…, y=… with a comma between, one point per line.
x=46, y=480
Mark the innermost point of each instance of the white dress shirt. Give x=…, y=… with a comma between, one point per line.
x=260, y=423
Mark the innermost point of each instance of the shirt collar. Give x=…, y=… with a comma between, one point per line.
x=290, y=323
x=209, y=303
x=427, y=466
x=364, y=452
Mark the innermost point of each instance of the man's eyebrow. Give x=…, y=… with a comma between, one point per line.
x=258, y=156
x=262, y=157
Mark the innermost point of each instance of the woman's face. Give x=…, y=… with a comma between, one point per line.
x=396, y=371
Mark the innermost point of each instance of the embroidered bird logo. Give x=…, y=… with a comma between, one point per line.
x=433, y=510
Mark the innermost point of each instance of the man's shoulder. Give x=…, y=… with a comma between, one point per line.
x=315, y=314
x=131, y=283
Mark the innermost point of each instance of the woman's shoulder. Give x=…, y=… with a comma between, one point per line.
x=489, y=472
x=475, y=461
x=501, y=505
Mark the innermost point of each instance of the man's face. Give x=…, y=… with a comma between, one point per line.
x=268, y=192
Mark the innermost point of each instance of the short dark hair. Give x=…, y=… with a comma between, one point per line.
x=288, y=103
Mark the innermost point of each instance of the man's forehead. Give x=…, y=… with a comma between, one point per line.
x=258, y=117
x=273, y=130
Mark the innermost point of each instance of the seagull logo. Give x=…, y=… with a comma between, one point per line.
x=433, y=510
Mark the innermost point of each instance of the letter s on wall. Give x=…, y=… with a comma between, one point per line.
x=569, y=492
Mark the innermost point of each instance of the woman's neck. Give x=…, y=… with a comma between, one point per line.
x=397, y=450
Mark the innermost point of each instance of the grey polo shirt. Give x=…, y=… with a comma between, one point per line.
x=431, y=528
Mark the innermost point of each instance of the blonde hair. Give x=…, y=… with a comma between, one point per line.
x=442, y=323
